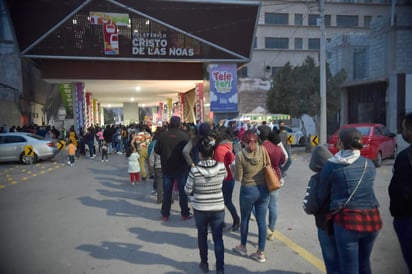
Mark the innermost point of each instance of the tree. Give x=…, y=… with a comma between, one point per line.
x=296, y=90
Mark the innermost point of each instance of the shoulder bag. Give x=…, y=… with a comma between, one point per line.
x=271, y=178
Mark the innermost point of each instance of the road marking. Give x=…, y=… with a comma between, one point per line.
x=312, y=259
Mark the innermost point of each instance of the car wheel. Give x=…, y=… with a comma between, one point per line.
x=378, y=160
x=395, y=152
x=28, y=160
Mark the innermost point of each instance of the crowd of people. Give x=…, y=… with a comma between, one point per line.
x=203, y=162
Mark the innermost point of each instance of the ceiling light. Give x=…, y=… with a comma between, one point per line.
x=131, y=99
x=138, y=88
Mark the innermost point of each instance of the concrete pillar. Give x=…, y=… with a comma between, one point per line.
x=131, y=112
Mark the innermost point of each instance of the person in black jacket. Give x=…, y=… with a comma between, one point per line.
x=170, y=146
x=400, y=193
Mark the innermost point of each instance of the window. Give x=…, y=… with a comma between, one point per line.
x=298, y=43
x=313, y=19
x=367, y=21
x=242, y=73
x=360, y=63
x=276, y=43
x=347, y=21
x=276, y=18
x=314, y=43
x=255, y=42
x=327, y=20
x=298, y=19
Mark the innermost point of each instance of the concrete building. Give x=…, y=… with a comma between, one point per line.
x=288, y=31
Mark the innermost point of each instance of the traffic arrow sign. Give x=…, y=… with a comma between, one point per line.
x=61, y=144
x=28, y=151
x=315, y=141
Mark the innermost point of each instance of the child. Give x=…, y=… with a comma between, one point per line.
x=71, y=151
x=134, y=166
x=105, y=150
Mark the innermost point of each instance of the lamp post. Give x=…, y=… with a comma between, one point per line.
x=322, y=66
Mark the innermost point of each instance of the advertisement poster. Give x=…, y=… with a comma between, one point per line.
x=182, y=105
x=169, y=108
x=67, y=98
x=199, y=102
x=223, y=88
x=79, y=103
x=89, y=110
x=161, y=112
x=110, y=22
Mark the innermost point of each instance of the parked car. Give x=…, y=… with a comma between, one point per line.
x=378, y=142
x=298, y=136
x=12, y=147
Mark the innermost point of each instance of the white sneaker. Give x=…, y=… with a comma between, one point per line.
x=282, y=182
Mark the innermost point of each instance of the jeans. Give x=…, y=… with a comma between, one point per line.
x=354, y=249
x=273, y=209
x=168, y=182
x=227, y=190
x=329, y=251
x=215, y=219
x=257, y=197
x=91, y=148
x=286, y=166
x=403, y=228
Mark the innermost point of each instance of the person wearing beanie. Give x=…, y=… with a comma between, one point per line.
x=319, y=158
x=277, y=158
x=191, y=151
x=174, y=167
x=347, y=181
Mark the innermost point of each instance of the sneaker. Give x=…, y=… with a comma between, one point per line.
x=235, y=226
x=68, y=162
x=133, y=183
x=154, y=192
x=258, y=256
x=204, y=267
x=282, y=181
x=106, y=161
x=185, y=218
x=270, y=235
x=102, y=161
x=164, y=218
x=252, y=218
x=240, y=250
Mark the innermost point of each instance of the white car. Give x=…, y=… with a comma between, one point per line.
x=12, y=147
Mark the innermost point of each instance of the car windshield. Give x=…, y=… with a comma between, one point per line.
x=364, y=130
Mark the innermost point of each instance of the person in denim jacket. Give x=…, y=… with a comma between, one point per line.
x=356, y=220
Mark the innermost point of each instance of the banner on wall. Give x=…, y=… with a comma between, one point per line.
x=169, y=108
x=95, y=112
x=199, y=102
x=182, y=105
x=223, y=87
x=110, y=22
x=161, y=111
x=89, y=110
x=66, y=93
x=79, y=101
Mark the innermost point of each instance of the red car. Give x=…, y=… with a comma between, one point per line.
x=378, y=142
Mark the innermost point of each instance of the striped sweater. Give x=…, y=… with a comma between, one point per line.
x=204, y=184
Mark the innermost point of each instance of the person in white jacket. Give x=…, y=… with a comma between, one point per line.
x=133, y=164
x=204, y=187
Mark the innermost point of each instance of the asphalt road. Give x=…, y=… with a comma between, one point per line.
x=89, y=219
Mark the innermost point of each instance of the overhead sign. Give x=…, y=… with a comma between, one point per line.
x=223, y=88
x=61, y=144
x=314, y=140
x=28, y=151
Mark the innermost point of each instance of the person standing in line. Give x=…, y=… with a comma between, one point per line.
x=400, y=194
x=155, y=163
x=224, y=154
x=275, y=138
x=191, y=150
x=253, y=192
x=320, y=156
x=71, y=151
x=276, y=159
x=100, y=138
x=133, y=164
x=105, y=151
x=283, y=134
x=108, y=137
x=349, y=178
x=204, y=184
x=169, y=146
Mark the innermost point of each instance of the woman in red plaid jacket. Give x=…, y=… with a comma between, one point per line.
x=347, y=179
